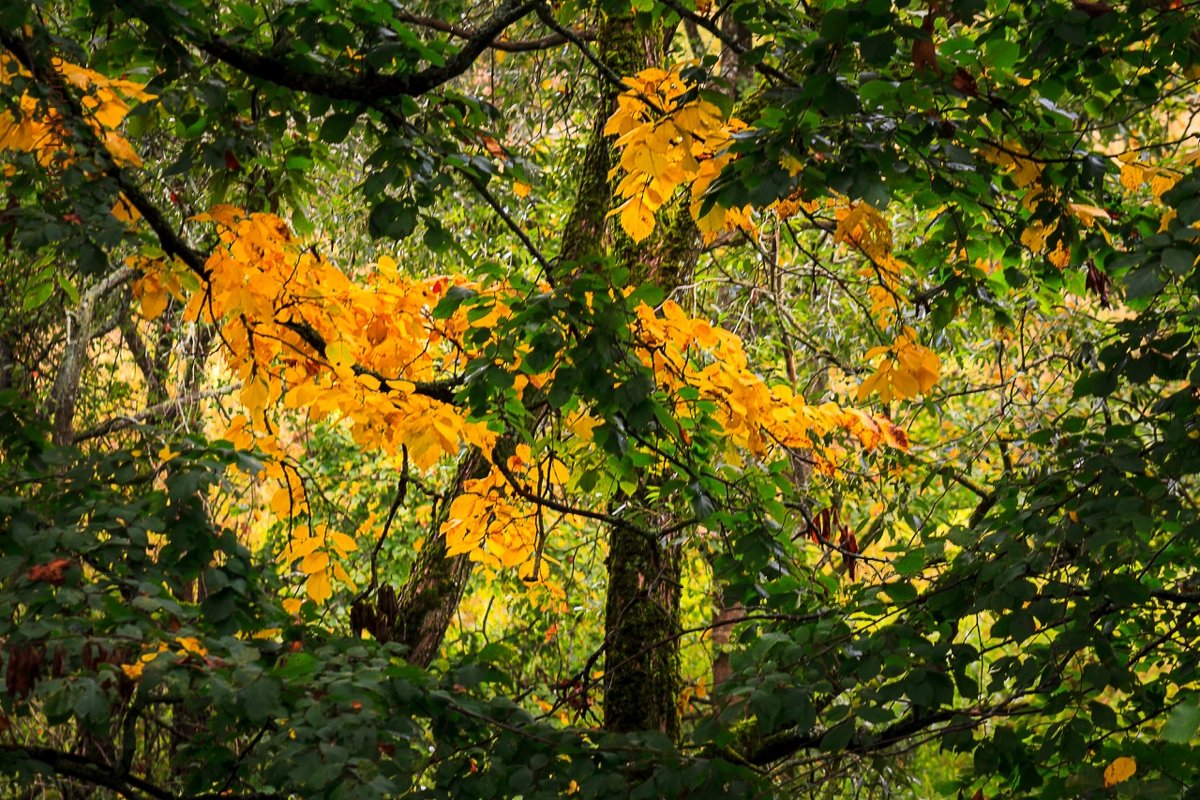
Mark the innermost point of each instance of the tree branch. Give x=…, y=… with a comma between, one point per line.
x=563, y=508
x=370, y=88
x=163, y=411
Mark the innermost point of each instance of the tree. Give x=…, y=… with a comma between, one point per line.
x=803, y=392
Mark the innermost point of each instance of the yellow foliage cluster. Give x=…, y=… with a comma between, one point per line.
x=668, y=137
x=496, y=527
x=185, y=647
x=33, y=128
x=906, y=370
x=311, y=548
x=1135, y=173
x=265, y=293
x=1027, y=174
x=689, y=352
x=861, y=226
x=910, y=369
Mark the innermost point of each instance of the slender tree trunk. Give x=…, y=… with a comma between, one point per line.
x=641, y=672
x=427, y=601
x=81, y=329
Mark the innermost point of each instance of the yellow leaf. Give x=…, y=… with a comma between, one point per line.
x=121, y=149
x=292, y=605
x=1088, y=214
x=223, y=213
x=894, y=435
x=339, y=353
x=191, y=646
x=318, y=588
x=340, y=573
x=521, y=189
x=154, y=302
x=1131, y=176
x=1034, y=236
x=314, y=563
x=1163, y=182
x=526, y=571
x=281, y=502
x=343, y=542
x=111, y=113
x=254, y=395
x=636, y=218
x=301, y=547
x=387, y=266
x=559, y=474
x=124, y=210
x=1121, y=769
x=1060, y=256
x=904, y=383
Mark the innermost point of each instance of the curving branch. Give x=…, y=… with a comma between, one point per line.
x=159, y=412
x=172, y=242
x=369, y=88
x=563, y=508
x=785, y=744
x=97, y=773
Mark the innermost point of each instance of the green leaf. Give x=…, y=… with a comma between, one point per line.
x=392, y=219
x=838, y=737
x=909, y=564
x=337, y=127
x=65, y=284
x=1144, y=282
x=1178, y=260
x=1181, y=724
x=37, y=296
x=1001, y=54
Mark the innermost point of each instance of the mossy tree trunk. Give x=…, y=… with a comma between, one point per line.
x=429, y=598
x=642, y=608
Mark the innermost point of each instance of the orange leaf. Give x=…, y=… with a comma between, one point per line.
x=1120, y=770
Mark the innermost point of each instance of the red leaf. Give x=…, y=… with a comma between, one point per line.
x=1093, y=10
x=51, y=573
x=965, y=83
x=849, y=547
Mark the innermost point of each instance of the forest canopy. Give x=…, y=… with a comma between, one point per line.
x=599, y=399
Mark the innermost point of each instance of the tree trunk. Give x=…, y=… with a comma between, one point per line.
x=435, y=586
x=427, y=601
x=641, y=670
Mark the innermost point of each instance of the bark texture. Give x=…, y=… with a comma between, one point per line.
x=435, y=586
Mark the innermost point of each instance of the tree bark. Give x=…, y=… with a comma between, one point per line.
x=81, y=331
x=427, y=601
